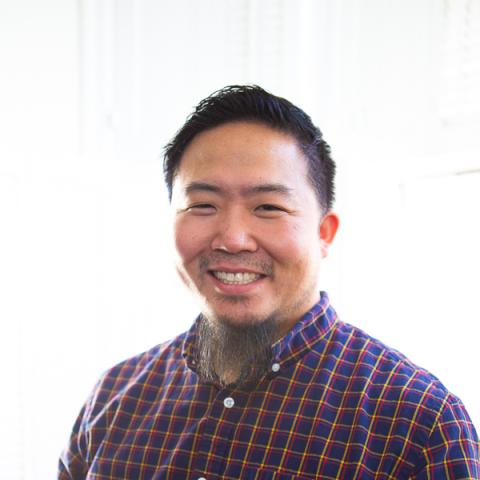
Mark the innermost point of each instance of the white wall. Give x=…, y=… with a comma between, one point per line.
x=91, y=91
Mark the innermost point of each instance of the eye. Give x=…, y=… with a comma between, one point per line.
x=269, y=210
x=202, y=209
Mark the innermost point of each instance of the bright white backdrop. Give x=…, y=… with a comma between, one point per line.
x=90, y=92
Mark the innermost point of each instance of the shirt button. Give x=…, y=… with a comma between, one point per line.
x=275, y=367
x=229, y=402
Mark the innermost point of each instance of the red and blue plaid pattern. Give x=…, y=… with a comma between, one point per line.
x=337, y=404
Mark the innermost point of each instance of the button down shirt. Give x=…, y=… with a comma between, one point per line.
x=335, y=404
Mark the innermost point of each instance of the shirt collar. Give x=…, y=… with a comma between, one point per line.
x=308, y=331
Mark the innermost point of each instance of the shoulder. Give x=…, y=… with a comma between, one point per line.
x=368, y=358
x=147, y=370
x=453, y=447
x=386, y=384
x=121, y=392
x=395, y=399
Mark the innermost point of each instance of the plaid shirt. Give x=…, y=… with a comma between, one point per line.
x=336, y=404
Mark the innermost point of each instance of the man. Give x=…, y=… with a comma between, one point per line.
x=267, y=383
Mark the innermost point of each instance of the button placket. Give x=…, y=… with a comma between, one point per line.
x=217, y=433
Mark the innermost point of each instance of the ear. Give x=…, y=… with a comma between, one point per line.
x=327, y=230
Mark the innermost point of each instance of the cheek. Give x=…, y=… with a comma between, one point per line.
x=190, y=239
x=291, y=243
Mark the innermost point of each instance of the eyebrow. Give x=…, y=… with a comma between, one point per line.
x=202, y=187
x=251, y=190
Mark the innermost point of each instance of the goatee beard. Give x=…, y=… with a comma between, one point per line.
x=234, y=354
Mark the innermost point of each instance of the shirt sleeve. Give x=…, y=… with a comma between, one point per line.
x=452, y=451
x=75, y=459
x=72, y=464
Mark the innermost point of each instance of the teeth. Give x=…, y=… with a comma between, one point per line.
x=236, y=278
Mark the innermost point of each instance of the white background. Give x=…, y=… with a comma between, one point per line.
x=90, y=91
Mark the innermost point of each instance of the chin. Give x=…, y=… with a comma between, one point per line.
x=236, y=318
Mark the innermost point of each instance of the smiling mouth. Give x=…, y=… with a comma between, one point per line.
x=237, y=278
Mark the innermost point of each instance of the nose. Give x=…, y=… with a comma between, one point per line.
x=234, y=234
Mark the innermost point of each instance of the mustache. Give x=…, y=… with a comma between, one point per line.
x=242, y=259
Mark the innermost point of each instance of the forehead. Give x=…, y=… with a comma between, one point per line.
x=243, y=152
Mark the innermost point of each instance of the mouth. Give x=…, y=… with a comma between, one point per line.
x=236, y=278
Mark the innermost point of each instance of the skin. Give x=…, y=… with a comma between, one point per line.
x=243, y=203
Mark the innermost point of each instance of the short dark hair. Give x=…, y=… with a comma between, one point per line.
x=252, y=103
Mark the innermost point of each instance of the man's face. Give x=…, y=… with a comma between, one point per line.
x=249, y=231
